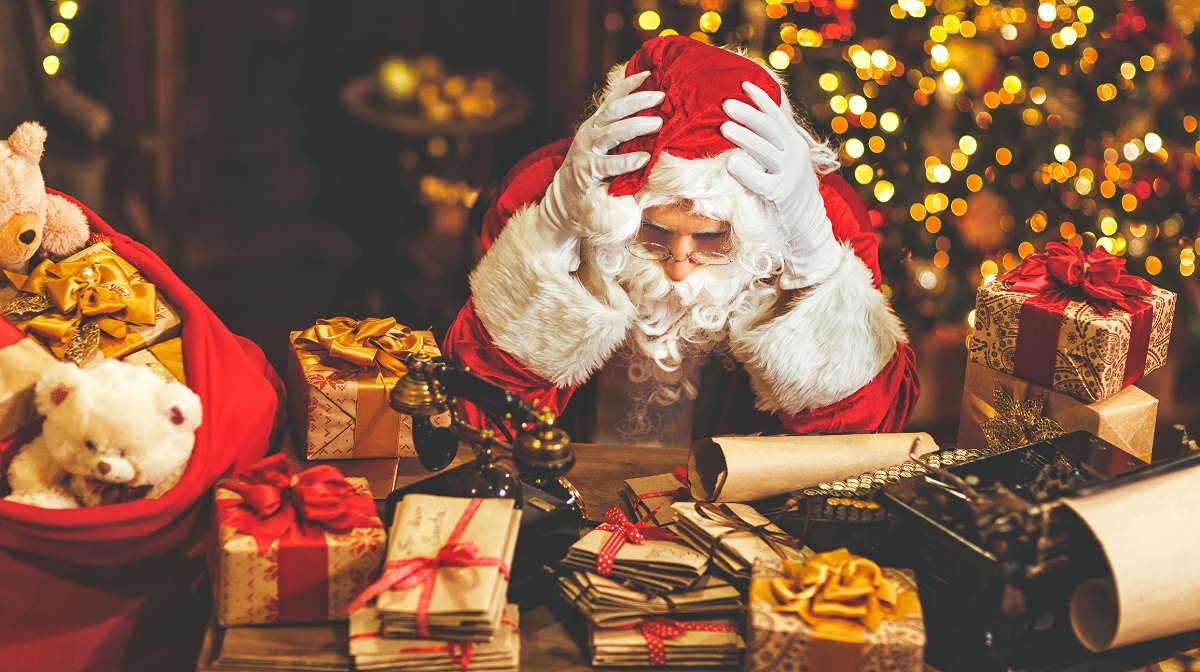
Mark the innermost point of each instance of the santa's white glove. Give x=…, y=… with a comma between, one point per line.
x=587, y=162
x=781, y=173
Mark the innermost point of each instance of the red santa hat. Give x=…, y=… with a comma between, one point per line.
x=697, y=79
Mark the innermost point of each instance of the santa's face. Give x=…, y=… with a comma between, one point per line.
x=681, y=240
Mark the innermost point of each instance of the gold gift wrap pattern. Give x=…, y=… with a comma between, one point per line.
x=1125, y=419
x=91, y=305
x=1092, y=348
x=836, y=613
x=340, y=373
x=247, y=581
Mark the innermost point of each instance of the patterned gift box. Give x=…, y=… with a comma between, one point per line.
x=835, y=613
x=22, y=362
x=89, y=306
x=293, y=549
x=340, y=373
x=1002, y=412
x=1057, y=321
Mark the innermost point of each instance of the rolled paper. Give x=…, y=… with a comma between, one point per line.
x=749, y=468
x=1155, y=584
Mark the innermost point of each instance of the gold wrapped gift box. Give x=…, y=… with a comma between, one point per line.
x=340, y=373
x=89, y=306
x=836, y=613
x=1000, y=411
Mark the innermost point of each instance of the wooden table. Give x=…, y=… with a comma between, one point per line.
x=599, y=474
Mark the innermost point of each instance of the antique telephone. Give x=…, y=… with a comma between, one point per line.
x=552, y=509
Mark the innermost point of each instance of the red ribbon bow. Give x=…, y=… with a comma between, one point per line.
x=625, y=531
x=655, y=630
x=681, y=475
x=1064, y=274
x=409, y=573
x=275, y=504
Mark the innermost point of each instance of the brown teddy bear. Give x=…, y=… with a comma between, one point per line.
x=33, y=222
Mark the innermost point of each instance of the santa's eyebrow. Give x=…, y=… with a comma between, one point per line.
x=724, y=229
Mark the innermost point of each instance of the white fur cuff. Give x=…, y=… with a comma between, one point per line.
x=832, y=340
x=537, y=311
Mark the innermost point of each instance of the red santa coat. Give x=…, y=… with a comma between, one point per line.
x=883, y=403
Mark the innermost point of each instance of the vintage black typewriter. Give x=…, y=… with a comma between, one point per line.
x=997, y=554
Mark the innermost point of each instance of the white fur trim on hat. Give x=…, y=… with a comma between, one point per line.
x=536, y=310
x=831, y=341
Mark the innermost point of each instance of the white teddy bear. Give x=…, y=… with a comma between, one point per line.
x=114, y=432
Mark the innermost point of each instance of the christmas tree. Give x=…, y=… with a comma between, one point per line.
x=978, y=130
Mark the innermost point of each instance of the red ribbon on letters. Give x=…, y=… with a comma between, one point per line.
x=680, y=474
x=625, y=531
x=1064, y=273
x=656, y=629
x=409, y=573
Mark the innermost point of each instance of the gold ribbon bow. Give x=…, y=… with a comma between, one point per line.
x=78, y=303
x=374, y=352
x=1015, y=419
x=840, y=596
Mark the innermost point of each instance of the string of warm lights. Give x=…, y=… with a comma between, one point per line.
x=58, y=34
x=979, y=130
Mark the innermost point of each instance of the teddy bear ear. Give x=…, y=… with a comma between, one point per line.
x=180, y=405
x=28, y=141
x=56, y=383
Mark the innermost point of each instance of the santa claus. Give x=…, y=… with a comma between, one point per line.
x=691, y=222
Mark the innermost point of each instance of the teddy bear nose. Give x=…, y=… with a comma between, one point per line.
x=103, y=467
x=27, y=236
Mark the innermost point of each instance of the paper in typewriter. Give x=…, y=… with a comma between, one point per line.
x=1147, y=530
x=749, y=468
x=466, y=602
x=374, y=652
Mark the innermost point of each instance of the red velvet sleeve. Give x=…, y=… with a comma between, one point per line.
x=885, y=403
x=468, y=343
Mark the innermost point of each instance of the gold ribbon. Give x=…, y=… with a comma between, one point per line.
x=373, y=351
x=1013, y=419
x=840, y=596
x=103, y=290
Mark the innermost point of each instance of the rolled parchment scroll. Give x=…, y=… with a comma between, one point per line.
x=748, y=468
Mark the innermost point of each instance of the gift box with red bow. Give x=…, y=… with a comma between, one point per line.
x=293, y=548
x=91, y=305
x=837, y=612
x=340, y=373
x=1073, y=322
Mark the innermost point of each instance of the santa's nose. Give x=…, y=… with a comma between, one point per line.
x=678, y=270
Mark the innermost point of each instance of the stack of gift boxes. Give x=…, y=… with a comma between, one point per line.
x=1057, y=346
x=88, y=307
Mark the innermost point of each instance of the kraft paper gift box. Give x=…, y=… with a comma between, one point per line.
x=293, y=548
x=799, y=617
x=22, y=362
x=89, y=306
x=1056, y=332
x=1002, y=412
x=340, y=373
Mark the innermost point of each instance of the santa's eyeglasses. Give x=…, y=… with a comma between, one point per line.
x=656, y=252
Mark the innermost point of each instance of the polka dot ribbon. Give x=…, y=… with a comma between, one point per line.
x=625, y=531
x=655, y=630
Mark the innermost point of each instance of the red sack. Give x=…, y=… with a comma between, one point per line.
x=123, y=587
